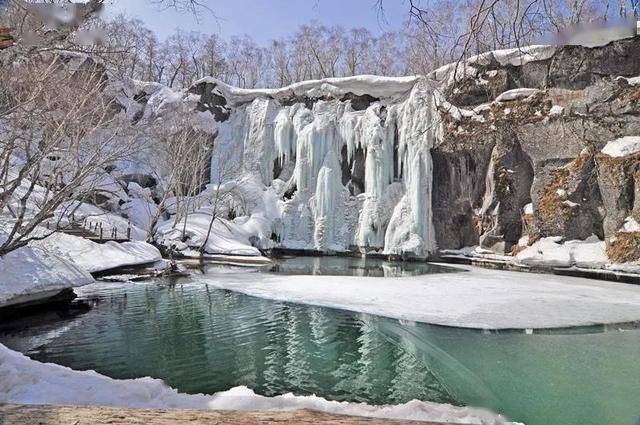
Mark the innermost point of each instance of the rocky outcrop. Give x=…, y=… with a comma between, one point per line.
x=541, y=148
x=499, y=152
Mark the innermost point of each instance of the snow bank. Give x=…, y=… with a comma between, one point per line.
x=95, y=257
x=590, y=253
x=28, y=274
x=472, y=298
x=25, y=381
x=227, y=237
x=633, y=81
x=622, y=147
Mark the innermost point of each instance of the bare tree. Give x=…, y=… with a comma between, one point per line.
x=61, y=133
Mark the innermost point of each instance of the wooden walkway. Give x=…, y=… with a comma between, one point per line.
x=6, y=40
x=13, y=414
x=94, y=231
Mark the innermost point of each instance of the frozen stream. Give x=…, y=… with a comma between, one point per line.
x=202, y=339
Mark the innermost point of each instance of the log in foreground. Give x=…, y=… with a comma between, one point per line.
x=14, y=414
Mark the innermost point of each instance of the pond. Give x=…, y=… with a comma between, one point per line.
x=202, y=340
x=348, y=266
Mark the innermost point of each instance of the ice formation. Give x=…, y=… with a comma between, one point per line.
x=344, y=169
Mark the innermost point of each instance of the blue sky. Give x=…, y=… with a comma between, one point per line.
x=266, y=20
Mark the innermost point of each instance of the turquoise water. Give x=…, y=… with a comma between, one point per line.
x=200, y=339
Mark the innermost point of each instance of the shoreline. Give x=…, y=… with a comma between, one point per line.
x=26, y=413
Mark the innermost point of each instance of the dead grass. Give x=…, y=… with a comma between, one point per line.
x=624, y=247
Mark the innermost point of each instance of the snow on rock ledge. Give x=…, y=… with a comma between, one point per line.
x=549, y=252
x=622, y=147
x=25, y=381
x=29, y=274
x=373, y=85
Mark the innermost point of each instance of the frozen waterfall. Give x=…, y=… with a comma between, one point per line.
x=344, y=175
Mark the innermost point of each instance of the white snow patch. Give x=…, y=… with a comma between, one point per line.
x=622, y=147
x=516, y=94
x=25, y=381
x=633, y=81
x=226, y=237
x=528, y=209
x=630, y=225
x=94, y=257
x=556, y=110
x=514, y=57
x=590, y=253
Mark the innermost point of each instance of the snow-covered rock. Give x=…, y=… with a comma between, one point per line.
x=29, y=274
x=622, y=147
x=549, y=252
x=25, y=381
x=227, y=237
x=95, y=257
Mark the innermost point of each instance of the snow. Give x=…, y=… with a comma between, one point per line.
x=528, y=209
x=30, y=273
x=633, y=81
x=556, y=110
x=25, y=381
x=376, y=86
x=630, y=225
x=471, y=298
x=516, y=94
x=622, y=147
x=226, y=237
x=513, y=57
x=95, y=257
x=590, y=253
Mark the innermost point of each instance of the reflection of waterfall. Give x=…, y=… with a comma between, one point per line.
x=458, y=381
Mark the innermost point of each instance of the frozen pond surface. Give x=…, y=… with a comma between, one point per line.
x=448, y=295
x=201, y=339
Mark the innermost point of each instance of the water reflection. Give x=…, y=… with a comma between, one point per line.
x=355, y=266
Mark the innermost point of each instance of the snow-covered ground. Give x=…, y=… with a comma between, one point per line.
x=472, y=298
x=25, y=381
x=226, y=237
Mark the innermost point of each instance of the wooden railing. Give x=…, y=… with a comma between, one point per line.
x=6, y=40
x=94, y=230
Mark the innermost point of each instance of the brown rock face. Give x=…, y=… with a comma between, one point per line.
x=488, y=167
